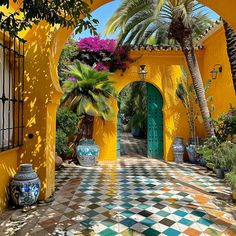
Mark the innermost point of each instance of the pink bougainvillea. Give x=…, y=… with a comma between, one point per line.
x=95, y=44
x=102, y=54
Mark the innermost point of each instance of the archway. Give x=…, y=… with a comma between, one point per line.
x=140, y=122
x=41, y=104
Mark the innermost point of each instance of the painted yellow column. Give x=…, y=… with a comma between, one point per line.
x=42, y=97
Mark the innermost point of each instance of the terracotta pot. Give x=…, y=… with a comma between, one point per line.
x=234, y=194
x=58, y=162
x=233, y=138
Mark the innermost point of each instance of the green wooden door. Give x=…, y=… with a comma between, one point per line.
x=154, y=123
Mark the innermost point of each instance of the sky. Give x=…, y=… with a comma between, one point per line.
x=106, y=11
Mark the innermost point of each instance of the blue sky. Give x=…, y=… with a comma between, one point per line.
x=105, y=12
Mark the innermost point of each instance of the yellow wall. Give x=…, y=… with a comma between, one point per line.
x=222, y=88
x=226, y=9
x=163, y=72
x=8, y=166
x=43, y=48
x=42, y=97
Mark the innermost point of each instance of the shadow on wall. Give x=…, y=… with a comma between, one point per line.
x=41, y=100
x=104, y=133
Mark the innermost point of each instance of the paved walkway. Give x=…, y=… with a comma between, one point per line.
x=134, y=197
x=131, y=146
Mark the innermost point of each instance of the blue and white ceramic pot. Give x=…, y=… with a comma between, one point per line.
x=25, y=186
x=178, y=149
x=87, y=152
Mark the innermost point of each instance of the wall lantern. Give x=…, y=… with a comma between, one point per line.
x=142, y=72
x=217, y=69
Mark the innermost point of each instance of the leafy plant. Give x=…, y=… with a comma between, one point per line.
x=138, y=20
x=68, y=13
x=133, y=105
x=62, y=147
x=226, y=124
x=102, y=54
x=68, y=56
x=186, y=93
x=88, y=93
x=67, y=121
x=219, y=155
x=209, y=153
x=231, y=179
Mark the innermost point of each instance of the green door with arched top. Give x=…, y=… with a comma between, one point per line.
x=154, y=123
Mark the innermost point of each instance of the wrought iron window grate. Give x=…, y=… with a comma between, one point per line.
x=11, y=91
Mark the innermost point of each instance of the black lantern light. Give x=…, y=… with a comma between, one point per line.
x=142, y=72
x=216, y=69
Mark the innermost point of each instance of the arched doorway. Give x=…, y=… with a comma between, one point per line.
x=41, y=105
x=153, y=131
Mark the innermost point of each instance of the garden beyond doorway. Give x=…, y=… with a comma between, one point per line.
x=140, y=121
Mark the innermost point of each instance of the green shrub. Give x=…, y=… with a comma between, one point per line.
x=66, y=127
x=218, y=155
x=62, y=147
x=67, y=121
x=225, y=125
x=231, y=178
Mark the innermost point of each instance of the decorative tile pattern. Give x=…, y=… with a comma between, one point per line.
x=136, y=197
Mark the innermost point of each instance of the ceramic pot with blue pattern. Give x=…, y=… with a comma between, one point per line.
x=25, y=186
x=87, y=152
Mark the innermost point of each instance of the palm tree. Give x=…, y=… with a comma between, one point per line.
x=138, y=20
x=87, y=92
x=231, y=49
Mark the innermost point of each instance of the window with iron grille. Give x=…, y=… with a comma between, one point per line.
x=11, y=91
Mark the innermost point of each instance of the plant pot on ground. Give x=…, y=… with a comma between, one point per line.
x=220, y=174
x=178, y=150
x=187, y=95
x=87, y=150
x=88, y=93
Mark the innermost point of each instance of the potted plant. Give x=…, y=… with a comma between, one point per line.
x=231, y=179
x=88, y=93
x=186, y=93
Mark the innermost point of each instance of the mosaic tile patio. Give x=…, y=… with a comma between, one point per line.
x=136, y=197
x=133, y=196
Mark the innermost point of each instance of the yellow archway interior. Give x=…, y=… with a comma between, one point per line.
x=43, y=92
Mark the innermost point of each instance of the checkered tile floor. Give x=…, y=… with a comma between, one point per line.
x=131, y=146
x=136, y=197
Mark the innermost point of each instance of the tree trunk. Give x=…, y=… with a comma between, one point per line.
x=87, y=127
x=183, y=35
x=231, y=49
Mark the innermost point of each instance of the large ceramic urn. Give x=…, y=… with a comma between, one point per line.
x=178, y=150
x=87, y=152
x=25, y=186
